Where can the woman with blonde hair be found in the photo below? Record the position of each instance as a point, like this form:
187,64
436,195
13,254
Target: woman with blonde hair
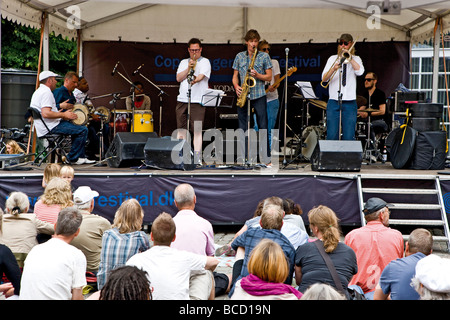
12,147
310,267
21,228
124,240
268,269
57,196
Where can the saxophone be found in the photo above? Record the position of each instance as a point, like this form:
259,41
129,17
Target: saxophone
190,77
249,82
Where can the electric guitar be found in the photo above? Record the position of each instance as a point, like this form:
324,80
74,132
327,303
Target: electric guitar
290,71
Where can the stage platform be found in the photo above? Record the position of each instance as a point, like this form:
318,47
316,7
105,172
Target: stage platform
229,195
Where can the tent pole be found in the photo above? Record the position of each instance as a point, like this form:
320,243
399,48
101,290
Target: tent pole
436,49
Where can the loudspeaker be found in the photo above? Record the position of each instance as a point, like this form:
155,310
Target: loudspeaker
337,155
426,110
429,152
168,153
127,148
425,124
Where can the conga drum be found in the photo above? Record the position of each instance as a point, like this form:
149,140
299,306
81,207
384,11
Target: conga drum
142,121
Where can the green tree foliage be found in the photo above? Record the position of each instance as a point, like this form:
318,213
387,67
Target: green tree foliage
20,49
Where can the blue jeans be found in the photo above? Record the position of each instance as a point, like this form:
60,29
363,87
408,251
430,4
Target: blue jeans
79,136
260,107
349,113
272,114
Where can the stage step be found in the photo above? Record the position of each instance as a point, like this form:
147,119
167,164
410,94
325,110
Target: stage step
415,198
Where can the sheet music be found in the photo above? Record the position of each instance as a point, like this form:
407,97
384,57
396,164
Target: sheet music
212,98
307,90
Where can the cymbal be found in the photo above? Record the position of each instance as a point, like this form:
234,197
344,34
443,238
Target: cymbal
319,103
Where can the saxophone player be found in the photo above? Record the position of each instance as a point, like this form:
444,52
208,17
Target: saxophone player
193,74
261,73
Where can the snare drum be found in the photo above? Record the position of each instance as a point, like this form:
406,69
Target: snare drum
142,121
83,114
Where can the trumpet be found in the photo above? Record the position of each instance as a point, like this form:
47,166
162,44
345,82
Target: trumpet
345,58
190,77
249,82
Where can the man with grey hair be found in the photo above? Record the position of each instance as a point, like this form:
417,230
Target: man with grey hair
195,234
55,270
271,223
89,240
375,245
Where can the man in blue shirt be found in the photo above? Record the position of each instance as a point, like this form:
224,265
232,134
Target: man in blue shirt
271,223
395,280
64,95
261,72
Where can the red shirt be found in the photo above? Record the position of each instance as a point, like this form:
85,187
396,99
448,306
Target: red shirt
375,246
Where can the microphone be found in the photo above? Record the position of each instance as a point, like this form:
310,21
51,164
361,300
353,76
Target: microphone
115,68
100,114
286,50
137,70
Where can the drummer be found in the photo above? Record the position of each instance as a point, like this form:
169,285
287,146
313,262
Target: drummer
141,101
80,93
64,95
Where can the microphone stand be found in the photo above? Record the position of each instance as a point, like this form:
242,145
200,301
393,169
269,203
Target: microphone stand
340,101
132,98
285,109
161,93
100,134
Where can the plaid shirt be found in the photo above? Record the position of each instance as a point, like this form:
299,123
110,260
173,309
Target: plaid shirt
250,238
117,248
262,63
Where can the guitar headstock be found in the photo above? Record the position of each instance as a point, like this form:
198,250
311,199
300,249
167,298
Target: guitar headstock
291,70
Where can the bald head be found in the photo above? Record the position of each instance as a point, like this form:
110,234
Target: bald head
184,196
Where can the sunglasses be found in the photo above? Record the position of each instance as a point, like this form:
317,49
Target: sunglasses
369,79
194,50
345,43
265,49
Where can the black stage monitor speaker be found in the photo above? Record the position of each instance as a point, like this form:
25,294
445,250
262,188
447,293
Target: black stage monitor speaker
127,149
337,155
168,153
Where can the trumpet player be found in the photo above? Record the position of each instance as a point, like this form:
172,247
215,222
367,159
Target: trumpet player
193,73
261,73
340,72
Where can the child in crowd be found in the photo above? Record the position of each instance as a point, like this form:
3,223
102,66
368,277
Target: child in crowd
67,173
51,171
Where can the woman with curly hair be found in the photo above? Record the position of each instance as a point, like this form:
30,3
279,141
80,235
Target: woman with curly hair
310,267
57,196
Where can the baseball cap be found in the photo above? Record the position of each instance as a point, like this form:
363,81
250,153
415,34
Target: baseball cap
433,272
375,204
46,74
84,194
346,37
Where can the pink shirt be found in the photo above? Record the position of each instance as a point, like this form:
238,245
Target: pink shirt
375,246
47,213
194,233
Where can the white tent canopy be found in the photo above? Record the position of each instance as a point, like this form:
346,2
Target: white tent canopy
281,21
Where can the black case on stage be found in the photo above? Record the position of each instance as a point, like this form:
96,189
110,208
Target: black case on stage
337,155
429,152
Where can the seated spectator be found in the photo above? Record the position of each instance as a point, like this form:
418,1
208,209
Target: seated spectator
195,234
124,240
169,269
67,173
395,280
21,228
51,171
293,212
57,196
11,270
375,245
432,279
268,269
322,291
92,228
12,147
310,267
55,270
271,222
125,283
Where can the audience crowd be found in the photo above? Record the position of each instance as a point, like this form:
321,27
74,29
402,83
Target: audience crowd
62,250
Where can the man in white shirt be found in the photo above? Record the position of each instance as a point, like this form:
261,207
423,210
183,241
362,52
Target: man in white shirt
55,270
169,269
344,83
58,122
193,73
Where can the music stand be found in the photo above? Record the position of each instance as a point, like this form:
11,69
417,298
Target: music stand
214,98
